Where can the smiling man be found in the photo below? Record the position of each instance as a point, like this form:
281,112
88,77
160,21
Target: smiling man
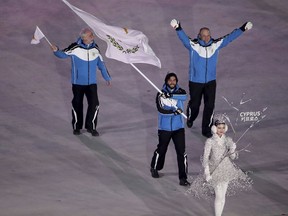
171,126
203,52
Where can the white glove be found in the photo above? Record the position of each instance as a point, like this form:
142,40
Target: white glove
174,23
233,154
248,26
208,178
207,175
232,148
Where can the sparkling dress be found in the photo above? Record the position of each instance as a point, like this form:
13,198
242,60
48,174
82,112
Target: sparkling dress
221,168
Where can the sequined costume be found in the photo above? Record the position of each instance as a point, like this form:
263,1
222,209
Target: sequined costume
218,153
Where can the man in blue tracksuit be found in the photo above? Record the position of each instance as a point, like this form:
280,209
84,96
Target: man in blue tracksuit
85,59
203,52
171,123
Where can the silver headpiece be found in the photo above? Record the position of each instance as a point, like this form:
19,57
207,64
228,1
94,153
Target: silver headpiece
219,119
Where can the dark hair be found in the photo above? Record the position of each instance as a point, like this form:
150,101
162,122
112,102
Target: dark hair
169,75
217,122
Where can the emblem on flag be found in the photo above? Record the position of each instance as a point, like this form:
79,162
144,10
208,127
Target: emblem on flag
119,47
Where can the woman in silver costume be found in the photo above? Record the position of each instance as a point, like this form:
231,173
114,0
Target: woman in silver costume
221,176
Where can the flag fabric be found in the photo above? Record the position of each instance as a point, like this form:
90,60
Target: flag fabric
38,35
123,44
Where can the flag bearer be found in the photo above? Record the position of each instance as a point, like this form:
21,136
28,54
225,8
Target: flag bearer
171,126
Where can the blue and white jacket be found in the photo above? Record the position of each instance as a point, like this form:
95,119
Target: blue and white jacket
84,59
168,119
203,57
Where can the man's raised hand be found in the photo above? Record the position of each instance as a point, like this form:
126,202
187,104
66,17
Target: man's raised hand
174,23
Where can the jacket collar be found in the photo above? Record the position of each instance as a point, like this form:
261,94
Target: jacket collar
166,88
202,43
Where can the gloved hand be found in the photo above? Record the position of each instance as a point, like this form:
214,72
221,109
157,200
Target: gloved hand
249,26
166,95
208,178
246,26
207,175
178,111
175,23
233,154
232,148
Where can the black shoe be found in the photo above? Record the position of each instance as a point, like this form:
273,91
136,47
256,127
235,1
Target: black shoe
208,135
184,182
76,132
189,124
93,132
154,173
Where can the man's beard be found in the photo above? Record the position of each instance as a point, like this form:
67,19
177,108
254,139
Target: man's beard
172,87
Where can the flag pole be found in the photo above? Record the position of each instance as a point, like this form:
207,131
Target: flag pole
155,87
146,78
48,41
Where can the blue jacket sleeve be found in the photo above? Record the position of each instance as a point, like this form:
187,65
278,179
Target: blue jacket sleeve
230,37
103,70
60,54
184,38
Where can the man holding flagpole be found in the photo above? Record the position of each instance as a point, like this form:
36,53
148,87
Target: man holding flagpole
170,126
85,58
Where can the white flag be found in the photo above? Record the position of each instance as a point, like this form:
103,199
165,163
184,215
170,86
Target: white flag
125,45
38,35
